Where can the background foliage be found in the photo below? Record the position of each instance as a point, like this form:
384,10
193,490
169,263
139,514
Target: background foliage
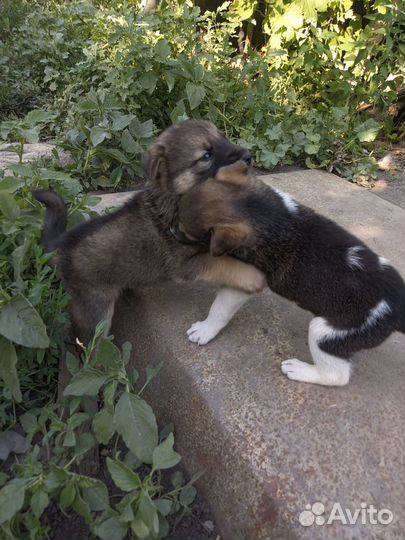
312,84
295,99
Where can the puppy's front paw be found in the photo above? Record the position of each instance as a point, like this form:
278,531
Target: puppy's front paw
297,370
202,332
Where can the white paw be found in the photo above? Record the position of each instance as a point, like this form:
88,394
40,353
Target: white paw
297,370
202,332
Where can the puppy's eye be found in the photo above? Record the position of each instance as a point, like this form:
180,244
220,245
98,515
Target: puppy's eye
207,156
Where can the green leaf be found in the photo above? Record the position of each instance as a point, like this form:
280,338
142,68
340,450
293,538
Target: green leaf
147,512
163,505
368,131
311,7
8,206
26,171
140,528
151,372
164,456
39,501
21,323
39,116
125,507
311,149
141,130
122,475
98,135
84,443
179,112
195,94
12,498
18,257
162,49
187,495
122,121
8,369
69,439
88,105
62,181
67,495
3,478
87,382
29,422
135,421
11,184
128,143
80,506
107,355
111,529
148,81
170,81
97,497
126,352
31,135
177,479
114,153
109,394
103,426
72,363
55,478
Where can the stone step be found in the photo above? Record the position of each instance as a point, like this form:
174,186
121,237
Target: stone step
32,152
271,447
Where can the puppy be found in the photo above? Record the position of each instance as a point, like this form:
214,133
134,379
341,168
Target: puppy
358,298
134,246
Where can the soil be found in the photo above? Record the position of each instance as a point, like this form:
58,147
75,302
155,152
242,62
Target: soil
199,525
390,185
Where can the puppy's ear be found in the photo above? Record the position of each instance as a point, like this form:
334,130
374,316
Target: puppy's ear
156,165
234,174
225,238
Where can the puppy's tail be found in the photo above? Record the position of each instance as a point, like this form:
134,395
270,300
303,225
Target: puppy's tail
55,217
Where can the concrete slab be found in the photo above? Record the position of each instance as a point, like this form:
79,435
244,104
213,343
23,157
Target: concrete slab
270,446
32,152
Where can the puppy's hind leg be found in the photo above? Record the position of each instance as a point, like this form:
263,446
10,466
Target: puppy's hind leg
226,304
327,369
89,308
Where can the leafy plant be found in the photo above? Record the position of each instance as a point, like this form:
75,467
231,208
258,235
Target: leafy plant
48,473
107,145
32,300
322,59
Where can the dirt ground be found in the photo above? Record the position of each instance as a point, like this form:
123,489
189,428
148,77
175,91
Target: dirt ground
390,185
199,525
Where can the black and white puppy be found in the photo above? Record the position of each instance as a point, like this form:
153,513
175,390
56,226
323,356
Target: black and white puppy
357,297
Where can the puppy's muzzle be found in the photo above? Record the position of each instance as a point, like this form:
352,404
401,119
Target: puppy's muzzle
247,158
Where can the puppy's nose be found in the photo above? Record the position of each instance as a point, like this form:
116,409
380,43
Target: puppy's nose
247,157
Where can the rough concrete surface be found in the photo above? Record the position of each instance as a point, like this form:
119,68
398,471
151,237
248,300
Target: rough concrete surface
31,153
271,446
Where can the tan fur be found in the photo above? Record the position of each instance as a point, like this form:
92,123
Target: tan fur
235,174
224,238
230,272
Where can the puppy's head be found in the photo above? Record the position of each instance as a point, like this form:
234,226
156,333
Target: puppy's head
214,208
189,153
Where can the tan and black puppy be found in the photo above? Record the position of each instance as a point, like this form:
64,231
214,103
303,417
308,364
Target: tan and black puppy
133,246
358,298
